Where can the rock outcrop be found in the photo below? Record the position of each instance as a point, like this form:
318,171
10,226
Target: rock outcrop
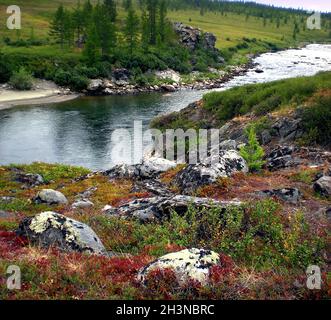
49,229
209,170
160,208
189,264
50,197
194,38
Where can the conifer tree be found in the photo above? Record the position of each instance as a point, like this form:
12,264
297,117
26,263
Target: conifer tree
58,26
131,29
253,153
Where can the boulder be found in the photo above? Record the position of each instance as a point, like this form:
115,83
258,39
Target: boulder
29,179
323,186
82,204
168,87
168,74
291,195
189,264
50,196
209,170
159,208
149,168
52,229
95,85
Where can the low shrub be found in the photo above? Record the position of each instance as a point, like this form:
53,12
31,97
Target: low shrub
21,80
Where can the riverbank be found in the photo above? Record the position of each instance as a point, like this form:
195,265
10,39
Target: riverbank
43,92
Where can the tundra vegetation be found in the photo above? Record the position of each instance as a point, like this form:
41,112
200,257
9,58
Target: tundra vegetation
265,243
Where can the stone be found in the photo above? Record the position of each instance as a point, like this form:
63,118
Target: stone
50,197
189,264
259,71
228,145
281,157
209,170
152,186
95,85
323,186
168,87
149,168
168,74
49,229
160,208
29,179
291,195
82,204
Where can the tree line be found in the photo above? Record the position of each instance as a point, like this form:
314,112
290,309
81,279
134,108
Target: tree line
95,29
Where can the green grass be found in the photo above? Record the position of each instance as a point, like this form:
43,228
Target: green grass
267,96
230,29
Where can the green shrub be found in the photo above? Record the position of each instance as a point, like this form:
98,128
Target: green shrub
5,70
21,80
253,153
62,78
317,122
78,82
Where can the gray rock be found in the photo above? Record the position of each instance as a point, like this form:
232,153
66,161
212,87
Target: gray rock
168,87
152,186
228,145
50,196
159,208
168,74
82,204
291,195
52,229
188,264
148,169
196,175
281,157
95,85
29,179
323,186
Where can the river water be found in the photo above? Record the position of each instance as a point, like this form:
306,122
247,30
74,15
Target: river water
80,132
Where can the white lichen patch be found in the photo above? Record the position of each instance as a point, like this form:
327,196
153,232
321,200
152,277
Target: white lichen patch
43,221
187,264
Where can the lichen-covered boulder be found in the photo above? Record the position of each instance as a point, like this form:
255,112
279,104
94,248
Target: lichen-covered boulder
188,264
209,170
159,208
50,196
52,229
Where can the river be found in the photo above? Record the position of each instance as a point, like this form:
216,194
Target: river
79,132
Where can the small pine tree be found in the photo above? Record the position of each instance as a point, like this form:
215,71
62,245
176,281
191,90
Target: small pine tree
253,153
58,25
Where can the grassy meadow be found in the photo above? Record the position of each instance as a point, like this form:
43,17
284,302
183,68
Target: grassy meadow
229,28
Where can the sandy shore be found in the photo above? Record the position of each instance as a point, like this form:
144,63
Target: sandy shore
42,93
